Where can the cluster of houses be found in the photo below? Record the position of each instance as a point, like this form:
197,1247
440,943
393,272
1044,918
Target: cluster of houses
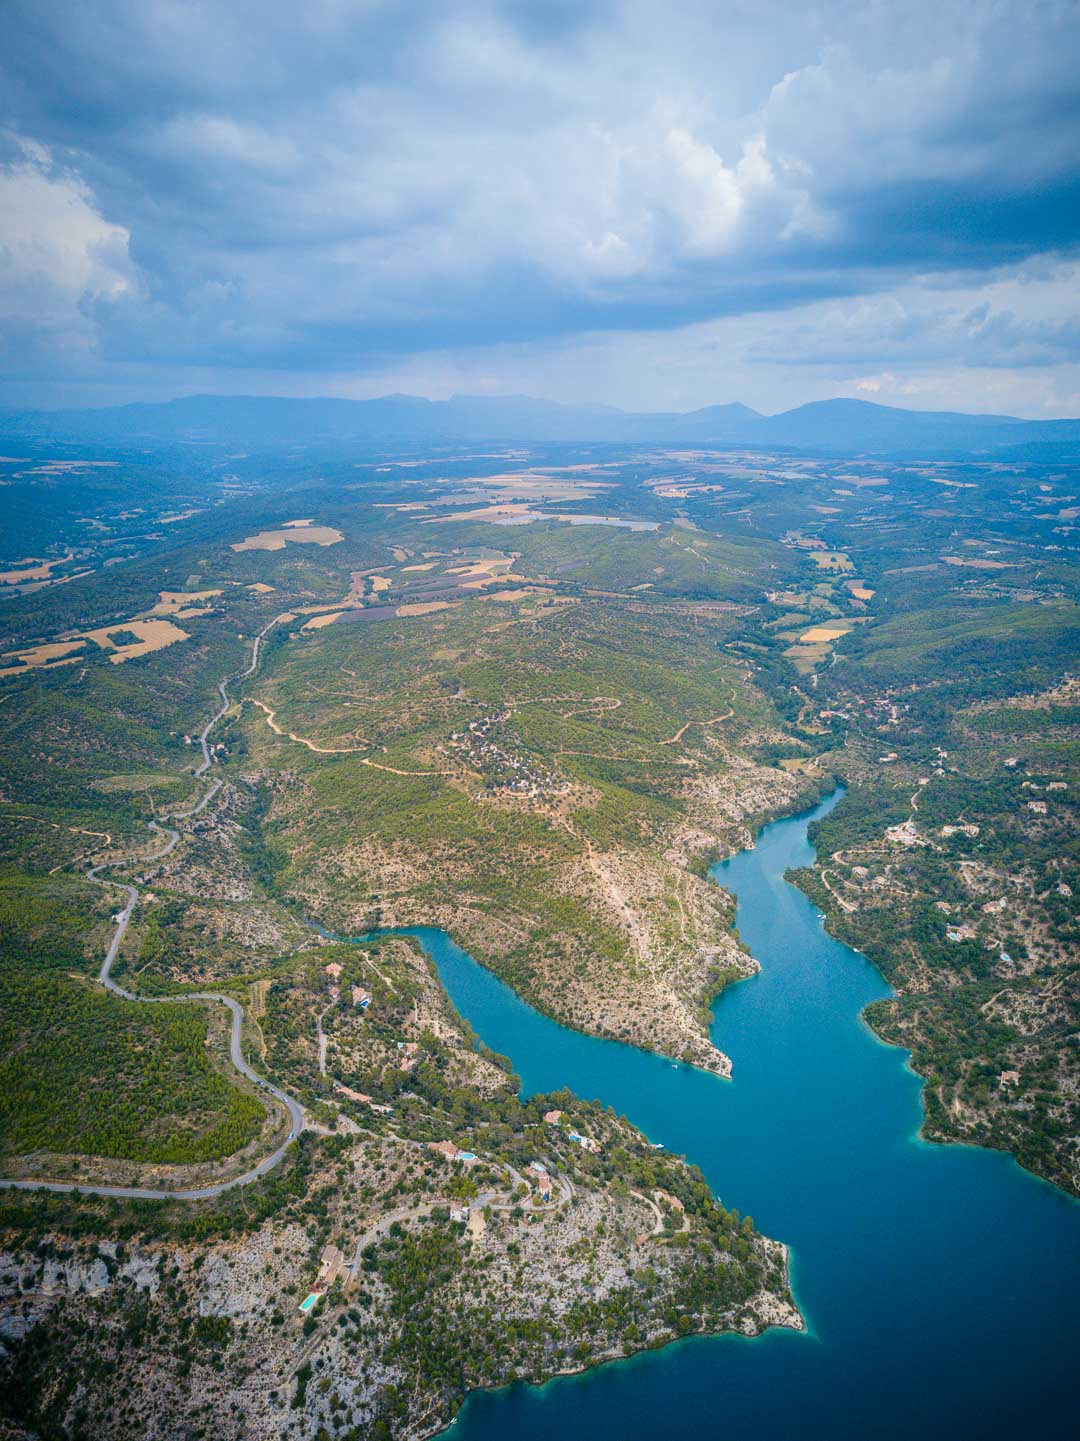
517,774
905,834
1040,807
360,997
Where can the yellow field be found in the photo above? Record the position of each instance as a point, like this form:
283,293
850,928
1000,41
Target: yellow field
31,570
153,635
317,622
831,560
423,607
36,656
818,634
300,532
506,595
172,602
492,566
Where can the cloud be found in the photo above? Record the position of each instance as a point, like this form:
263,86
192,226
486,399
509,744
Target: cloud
58,256
1024,315
336,186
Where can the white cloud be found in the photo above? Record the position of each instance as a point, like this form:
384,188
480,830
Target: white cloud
337,184
58,256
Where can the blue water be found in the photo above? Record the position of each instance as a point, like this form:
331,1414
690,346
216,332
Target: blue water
940,1284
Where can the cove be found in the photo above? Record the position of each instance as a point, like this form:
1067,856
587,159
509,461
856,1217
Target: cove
939,1283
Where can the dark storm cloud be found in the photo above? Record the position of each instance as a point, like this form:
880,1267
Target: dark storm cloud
333,183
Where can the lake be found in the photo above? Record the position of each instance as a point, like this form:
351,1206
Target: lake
939,1283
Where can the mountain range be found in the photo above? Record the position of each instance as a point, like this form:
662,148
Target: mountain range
840,425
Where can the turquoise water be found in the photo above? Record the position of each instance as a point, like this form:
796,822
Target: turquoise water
939,1284
309,1301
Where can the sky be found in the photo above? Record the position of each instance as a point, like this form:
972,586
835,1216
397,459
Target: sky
657,206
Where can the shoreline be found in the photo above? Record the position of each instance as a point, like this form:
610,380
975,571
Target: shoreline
597,1363
918,1137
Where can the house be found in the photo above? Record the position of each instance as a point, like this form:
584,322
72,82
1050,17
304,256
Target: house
333,970
669,1200
361,998
445,1148
552,1118
330,1265
542,1179
460,1213
1039,807
586,1143
335,992
363,1099
1009,1078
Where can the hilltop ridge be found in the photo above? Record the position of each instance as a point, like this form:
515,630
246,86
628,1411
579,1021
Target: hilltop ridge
822,425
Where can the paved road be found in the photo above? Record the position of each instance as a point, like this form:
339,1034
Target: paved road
223,692
296,1113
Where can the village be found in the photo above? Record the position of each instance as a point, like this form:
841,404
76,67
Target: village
487,746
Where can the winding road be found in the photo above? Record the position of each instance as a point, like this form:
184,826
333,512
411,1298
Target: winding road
297,1115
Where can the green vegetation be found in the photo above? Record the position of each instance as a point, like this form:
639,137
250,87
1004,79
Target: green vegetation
83,1072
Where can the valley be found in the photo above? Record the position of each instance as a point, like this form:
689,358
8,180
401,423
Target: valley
528,700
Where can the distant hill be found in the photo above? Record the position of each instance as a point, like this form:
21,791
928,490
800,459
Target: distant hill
861,425
826,425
